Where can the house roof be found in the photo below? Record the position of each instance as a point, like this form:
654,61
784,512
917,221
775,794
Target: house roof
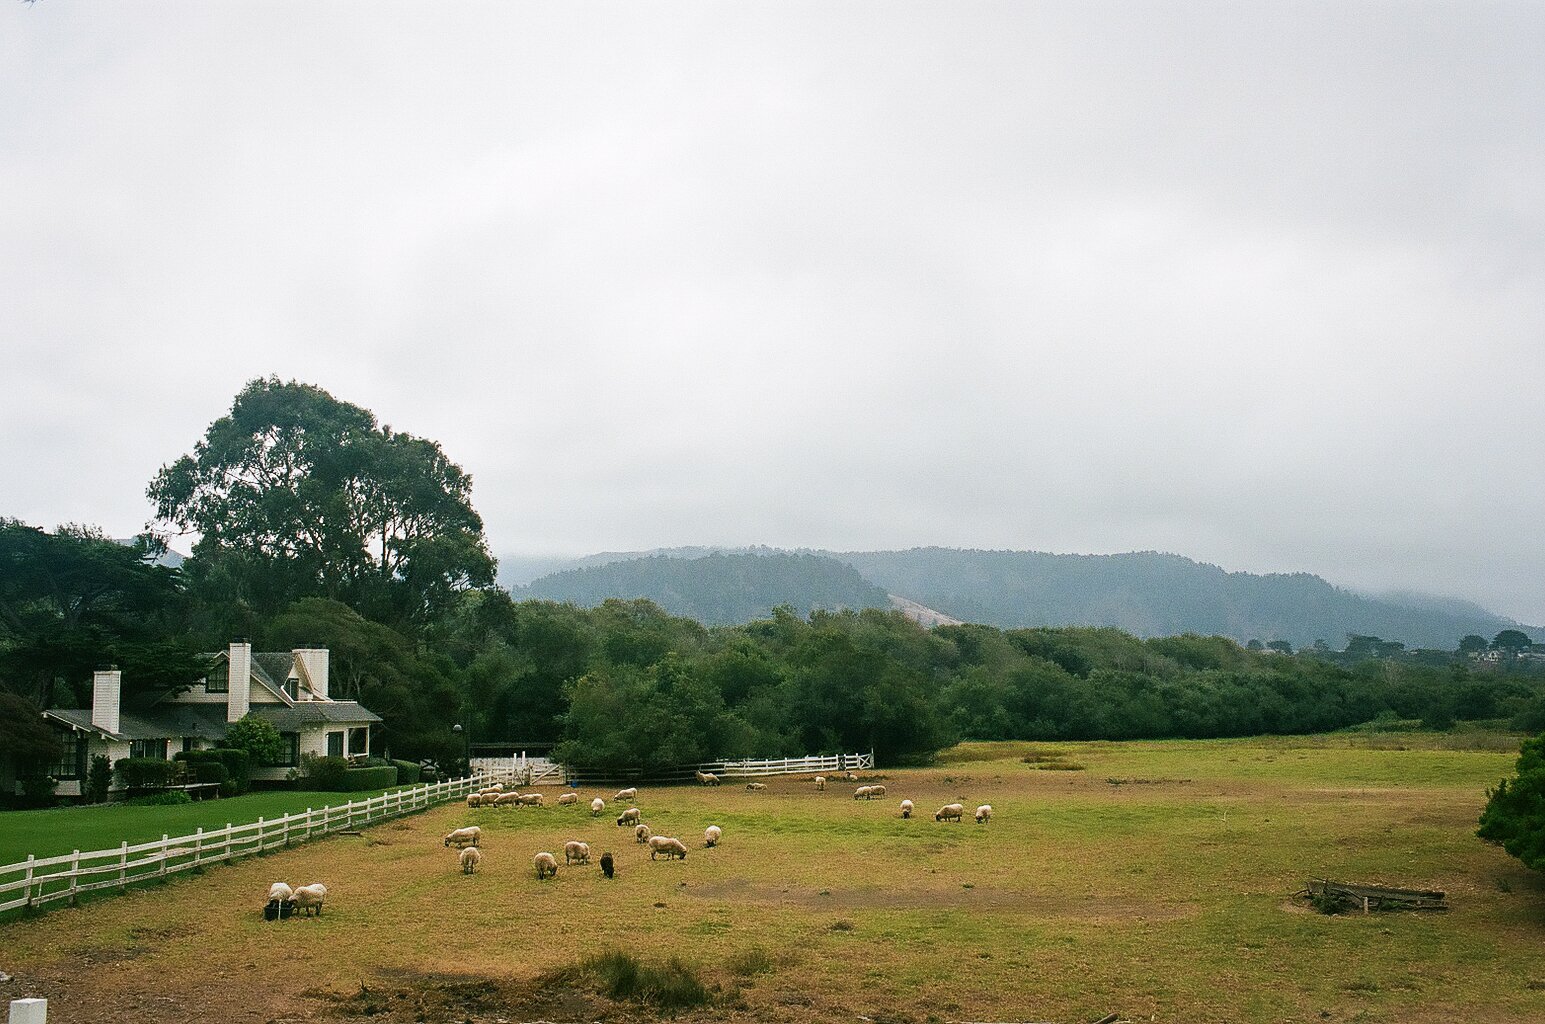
207,721
269,669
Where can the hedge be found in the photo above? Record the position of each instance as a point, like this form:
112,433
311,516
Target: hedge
407,772
358,779
145,772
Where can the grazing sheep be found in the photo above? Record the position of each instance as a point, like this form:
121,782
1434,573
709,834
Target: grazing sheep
471,857
507,800
576,852
529,800
668,846
950,812
820,782
546,865
641,833
756,787
597,806
474,799
628,817
281,892
494,787
472,835
711,835
861,793
983,814
707,778
852,777
875,791
281,902
607,865
626,794
906,808
309,897
568,798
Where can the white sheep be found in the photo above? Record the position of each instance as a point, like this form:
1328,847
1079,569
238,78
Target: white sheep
875,791
546,865
711,835
281,891
983,814
820,782
471,857
668,846
494,787
597,806
906,808
641,833
576,852
568,798
861,793
507,800
627,794
474,799
529,800
628,817
472,835
706,778
309,897
950,812
756,787
852,777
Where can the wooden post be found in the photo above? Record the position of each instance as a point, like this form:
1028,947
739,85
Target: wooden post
161,864
74,876
27,892
308,823
230,850
29,1011
123,865
198,846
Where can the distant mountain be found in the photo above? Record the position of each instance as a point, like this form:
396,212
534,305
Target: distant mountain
1146,593
1153,594
716,589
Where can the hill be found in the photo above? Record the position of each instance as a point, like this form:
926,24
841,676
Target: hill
716,589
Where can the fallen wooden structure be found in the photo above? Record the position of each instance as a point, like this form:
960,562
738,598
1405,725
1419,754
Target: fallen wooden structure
1343,897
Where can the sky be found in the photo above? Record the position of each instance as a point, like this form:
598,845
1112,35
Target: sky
1259,284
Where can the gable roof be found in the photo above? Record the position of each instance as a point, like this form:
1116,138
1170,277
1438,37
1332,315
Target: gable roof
207,721
266,667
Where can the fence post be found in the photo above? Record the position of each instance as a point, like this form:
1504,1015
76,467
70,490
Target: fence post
161,864
262,844
29,1011
230,840
308,823
74,876
123,865
27,892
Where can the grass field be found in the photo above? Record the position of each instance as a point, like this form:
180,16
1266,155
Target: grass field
103,827
1153,880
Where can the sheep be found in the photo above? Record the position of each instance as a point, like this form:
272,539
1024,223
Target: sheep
711,835
983,814
706,778
861,793
906,808
507,800
494,787
668,846
281,892
641,833
950,812
281,902
529,800
546,865
852,777
472,835
576,852
597,806
875,791
471,857
628,817
568,798
820,782
474,799
755,787
607,865
627,794
309,897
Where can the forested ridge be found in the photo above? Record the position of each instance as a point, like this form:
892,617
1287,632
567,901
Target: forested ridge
320,527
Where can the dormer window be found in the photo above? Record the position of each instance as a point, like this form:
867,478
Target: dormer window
292,687
219,679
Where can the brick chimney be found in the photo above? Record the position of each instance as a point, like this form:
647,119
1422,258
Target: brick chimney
313,662
238,697
106,691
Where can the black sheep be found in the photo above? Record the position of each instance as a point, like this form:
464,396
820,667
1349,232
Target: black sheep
606,864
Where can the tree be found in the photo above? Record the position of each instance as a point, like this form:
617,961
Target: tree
1471,644
1515,811
303,495
258,738
1511,640
31,744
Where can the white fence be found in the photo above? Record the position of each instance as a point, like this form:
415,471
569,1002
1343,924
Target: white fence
519,769
814,765
43,880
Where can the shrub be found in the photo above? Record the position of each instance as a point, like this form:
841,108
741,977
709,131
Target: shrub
144,772
37,790
407,773
211,771
1515,810
671,985
170,798
238,764
99,779
258,737
356,780
325,773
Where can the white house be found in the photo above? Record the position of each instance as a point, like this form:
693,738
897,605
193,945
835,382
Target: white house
288,689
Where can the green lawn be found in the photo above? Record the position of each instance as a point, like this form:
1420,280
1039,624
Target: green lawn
60,830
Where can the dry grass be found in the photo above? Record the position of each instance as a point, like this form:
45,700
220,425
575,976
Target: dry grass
1171,899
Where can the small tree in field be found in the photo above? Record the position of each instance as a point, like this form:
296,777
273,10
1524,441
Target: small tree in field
1515,810
257,737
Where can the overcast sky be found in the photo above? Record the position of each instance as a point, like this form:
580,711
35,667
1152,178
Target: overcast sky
1263,285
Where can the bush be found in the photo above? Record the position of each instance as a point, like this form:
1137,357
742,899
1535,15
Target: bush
145,772
1515,810
325,773
257,737
99,779
37,790
407,773
238,765
170,798
211,771
356,780
671,985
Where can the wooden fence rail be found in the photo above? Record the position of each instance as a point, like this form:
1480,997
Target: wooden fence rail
813,765
38,881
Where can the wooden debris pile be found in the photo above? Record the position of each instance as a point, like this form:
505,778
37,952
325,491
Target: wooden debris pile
1344,898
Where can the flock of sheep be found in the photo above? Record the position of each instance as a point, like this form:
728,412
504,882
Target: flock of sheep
283,901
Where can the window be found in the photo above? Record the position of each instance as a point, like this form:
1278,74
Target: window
148,748
291,755
359,742
219,679
335,744
72,762
189,743
292,687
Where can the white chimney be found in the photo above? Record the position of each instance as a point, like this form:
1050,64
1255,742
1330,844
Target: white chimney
313,661
106,688
238,697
